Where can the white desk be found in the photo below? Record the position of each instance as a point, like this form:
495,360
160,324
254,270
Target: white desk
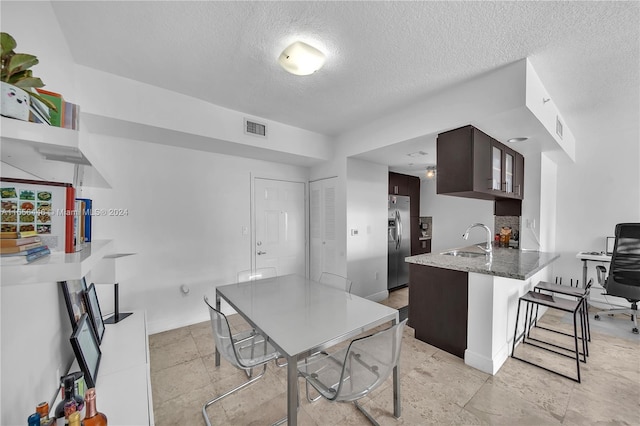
587,256
301,317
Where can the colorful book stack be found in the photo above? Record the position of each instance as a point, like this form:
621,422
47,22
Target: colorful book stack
66,116
19,248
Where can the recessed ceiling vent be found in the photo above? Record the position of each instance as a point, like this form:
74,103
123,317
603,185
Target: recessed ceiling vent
254,128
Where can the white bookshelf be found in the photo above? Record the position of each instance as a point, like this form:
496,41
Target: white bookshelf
57,266
48,153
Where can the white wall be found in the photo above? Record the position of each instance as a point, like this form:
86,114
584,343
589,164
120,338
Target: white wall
451,217
594,194
367,185
186,211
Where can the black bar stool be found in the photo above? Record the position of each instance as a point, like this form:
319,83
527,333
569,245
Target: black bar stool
565,305
579,293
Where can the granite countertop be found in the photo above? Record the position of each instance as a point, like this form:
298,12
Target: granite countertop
509,263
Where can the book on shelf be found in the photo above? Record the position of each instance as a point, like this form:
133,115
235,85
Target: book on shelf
26,252
11,234
18,249
57,117
14,242
86,214
78,224
27,258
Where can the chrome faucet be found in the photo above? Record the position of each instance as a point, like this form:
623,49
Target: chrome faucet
489,247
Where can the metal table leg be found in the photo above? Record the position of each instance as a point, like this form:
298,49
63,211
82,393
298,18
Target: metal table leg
292,391
218,308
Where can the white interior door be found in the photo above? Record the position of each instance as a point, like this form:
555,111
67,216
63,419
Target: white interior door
322,227
279,214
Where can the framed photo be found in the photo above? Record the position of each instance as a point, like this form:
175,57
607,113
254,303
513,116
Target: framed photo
93,309
73,291
86,349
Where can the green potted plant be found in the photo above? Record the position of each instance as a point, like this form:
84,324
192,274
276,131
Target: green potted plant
17,80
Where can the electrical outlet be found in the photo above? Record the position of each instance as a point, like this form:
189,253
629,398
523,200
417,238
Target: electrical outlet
375,276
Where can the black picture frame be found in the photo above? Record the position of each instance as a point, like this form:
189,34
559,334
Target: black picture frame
86,349
73,291
93,309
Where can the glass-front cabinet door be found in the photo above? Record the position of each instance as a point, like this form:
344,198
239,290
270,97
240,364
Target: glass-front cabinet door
508,171
496,163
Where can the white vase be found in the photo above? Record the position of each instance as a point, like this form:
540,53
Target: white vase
15,102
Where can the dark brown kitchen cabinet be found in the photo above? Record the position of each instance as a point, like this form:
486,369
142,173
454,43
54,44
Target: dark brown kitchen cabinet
414,194
474,165
398,184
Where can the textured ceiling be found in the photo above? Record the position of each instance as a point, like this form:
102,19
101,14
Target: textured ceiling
381,56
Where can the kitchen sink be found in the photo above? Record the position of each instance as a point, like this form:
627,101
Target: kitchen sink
459,253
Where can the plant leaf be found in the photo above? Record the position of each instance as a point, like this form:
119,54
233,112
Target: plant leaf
20,62
28,82
7,42
45,101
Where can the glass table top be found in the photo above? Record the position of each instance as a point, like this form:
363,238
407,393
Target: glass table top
300,315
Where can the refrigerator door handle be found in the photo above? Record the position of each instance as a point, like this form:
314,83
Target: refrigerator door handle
399,230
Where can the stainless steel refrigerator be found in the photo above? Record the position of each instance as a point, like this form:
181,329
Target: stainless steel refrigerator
399,237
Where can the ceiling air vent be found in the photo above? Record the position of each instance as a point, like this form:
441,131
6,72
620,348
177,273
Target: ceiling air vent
255,128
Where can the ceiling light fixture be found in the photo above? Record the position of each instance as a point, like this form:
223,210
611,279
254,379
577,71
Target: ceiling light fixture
301,59
517,140
431,172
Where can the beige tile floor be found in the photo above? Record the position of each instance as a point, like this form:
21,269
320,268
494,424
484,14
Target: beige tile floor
436,387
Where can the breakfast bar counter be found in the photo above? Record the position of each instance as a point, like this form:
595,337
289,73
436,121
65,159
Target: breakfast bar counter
464,301
504,262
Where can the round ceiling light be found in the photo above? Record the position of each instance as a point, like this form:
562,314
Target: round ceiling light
517,140
301,59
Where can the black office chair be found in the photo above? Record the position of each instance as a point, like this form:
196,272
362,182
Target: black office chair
624,271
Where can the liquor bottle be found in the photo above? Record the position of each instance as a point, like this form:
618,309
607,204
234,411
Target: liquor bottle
93,416
69,395
74,419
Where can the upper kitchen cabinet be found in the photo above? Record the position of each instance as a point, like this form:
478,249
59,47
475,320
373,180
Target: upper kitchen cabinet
398,184
472,164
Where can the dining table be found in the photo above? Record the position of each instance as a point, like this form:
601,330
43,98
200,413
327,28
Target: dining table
301,317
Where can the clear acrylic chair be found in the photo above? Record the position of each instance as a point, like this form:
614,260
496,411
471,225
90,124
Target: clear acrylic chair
336,281
258,274
353,372
244,351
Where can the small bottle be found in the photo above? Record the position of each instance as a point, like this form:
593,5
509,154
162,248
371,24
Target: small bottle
33,420
69,395
74,419
43,410
93,416
70,407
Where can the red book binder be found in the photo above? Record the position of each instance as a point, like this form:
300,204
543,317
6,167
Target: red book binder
70,207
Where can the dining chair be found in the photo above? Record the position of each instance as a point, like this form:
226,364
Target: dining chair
258,274
336,281
245,351
354,372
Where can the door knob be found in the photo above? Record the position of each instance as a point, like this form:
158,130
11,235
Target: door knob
261,252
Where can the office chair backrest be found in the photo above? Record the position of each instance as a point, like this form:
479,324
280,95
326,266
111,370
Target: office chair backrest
369,362
336,281
624,273
258,274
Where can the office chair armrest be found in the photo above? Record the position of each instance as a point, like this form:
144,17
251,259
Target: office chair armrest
601,271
